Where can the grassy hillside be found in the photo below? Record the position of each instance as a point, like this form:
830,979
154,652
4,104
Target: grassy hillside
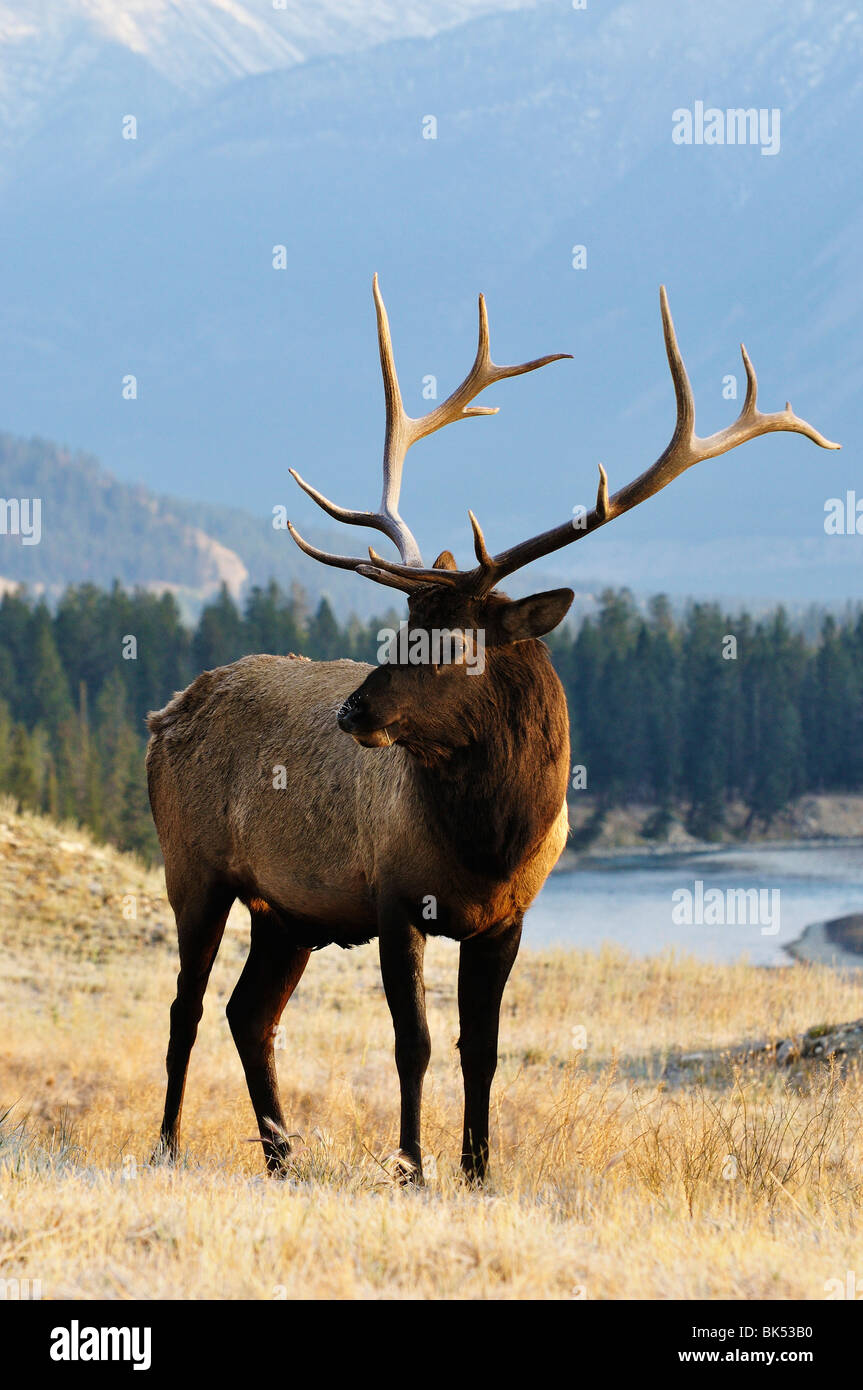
608,1182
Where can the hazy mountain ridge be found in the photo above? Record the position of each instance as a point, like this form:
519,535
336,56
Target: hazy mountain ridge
97,529
553,128
197,45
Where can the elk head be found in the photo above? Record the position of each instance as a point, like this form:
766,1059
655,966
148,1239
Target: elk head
425,694
463,607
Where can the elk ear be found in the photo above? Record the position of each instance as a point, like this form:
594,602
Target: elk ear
445,561
534,616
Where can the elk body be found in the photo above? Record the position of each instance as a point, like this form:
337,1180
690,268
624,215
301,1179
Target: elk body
420,798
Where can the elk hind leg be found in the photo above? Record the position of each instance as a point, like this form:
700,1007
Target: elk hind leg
273,970
201,911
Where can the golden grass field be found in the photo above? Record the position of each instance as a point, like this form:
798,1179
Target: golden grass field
607,1183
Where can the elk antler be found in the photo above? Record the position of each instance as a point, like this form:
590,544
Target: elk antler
684,449
402,430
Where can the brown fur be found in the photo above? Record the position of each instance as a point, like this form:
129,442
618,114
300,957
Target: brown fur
350,818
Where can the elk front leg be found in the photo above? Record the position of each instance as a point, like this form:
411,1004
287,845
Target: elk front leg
484,967
402,949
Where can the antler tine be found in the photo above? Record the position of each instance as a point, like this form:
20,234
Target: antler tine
412,574
483,373
602,502
479,545
381,521
685,426
403,430
684,449
344,562
380,573
397,438
454,578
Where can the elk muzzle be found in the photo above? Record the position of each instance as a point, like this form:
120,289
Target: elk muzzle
357,719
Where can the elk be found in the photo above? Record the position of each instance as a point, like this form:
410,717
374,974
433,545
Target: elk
407,784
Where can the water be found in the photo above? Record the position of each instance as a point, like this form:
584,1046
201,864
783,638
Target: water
628,900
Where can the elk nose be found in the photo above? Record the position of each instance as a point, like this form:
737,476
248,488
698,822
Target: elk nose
346,717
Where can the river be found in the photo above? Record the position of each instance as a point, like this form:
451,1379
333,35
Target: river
628,899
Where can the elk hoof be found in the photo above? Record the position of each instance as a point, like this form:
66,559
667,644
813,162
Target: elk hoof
473,1174
280,1160
164,1152
404,1170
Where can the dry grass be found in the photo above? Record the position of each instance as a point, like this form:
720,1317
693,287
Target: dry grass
606,1184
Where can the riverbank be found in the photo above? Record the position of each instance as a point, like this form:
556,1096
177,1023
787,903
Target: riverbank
838,943
626,830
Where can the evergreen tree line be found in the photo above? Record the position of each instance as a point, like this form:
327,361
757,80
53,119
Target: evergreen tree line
75,691
686,713
695,714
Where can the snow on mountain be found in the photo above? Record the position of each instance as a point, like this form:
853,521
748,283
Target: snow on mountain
199,44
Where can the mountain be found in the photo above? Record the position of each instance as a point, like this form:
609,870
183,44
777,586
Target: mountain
194,46
94,529
154,257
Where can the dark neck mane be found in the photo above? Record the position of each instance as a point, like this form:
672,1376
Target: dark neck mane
497,793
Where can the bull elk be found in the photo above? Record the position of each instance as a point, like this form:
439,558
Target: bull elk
407,783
